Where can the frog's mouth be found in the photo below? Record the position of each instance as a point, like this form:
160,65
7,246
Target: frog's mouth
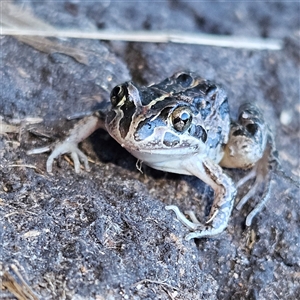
161,153
165,159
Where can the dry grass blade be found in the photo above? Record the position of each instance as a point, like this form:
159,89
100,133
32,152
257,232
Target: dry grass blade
23,23
159,37
17,19
44,45
6,128
22,291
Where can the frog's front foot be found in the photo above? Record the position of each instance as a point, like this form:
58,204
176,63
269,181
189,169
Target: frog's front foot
62,148
213,226
220,212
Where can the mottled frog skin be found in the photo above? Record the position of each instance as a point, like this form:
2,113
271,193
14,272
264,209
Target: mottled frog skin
182,118
182,125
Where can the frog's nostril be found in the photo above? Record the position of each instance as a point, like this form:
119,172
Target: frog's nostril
252,128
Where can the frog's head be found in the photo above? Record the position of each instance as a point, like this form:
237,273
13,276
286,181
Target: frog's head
168,118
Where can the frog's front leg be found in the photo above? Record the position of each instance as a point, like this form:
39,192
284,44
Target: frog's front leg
80,132
225,192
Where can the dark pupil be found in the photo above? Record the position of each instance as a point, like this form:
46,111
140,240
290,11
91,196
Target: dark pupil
182,122
179,122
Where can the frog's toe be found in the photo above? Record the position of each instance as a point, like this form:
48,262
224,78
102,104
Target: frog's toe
83,158
246,197
39,150
75,153
194,235
192,216
76,161
182,218
261,204
262,183
206,231
77,157
198,230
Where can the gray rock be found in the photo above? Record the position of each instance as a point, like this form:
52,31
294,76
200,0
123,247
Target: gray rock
105,234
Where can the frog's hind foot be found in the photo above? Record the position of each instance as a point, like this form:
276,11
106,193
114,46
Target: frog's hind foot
198,230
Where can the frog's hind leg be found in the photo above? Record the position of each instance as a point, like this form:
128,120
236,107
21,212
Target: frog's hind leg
251,144
263,179
263,172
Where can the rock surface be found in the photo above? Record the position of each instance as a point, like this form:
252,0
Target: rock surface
105,234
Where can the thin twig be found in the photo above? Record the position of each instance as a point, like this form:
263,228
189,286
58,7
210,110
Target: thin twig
21,165
156,282
155,37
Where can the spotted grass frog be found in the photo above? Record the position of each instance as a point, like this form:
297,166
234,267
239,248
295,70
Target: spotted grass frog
182,125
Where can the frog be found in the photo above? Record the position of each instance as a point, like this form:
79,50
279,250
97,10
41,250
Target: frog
183,125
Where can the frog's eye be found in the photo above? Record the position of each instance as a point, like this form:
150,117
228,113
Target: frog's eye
117,94
181,118
184,79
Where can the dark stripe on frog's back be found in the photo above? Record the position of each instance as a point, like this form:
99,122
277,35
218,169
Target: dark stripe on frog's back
201,88
172,93
161,96
161,104
169,86
147,95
